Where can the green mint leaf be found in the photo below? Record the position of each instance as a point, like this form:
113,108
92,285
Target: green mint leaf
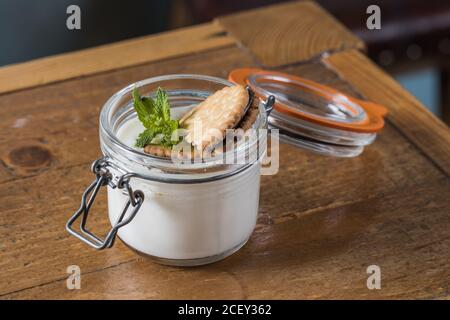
144,138
155,116
144,108
162,103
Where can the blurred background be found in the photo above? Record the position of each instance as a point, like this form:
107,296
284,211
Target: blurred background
413,44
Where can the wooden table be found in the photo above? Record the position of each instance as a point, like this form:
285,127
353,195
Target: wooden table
322,220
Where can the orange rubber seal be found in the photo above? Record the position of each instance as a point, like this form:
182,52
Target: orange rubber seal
372,122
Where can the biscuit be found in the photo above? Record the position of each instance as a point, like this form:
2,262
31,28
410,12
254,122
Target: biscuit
158,150
216,148
220,111
168,152
239,131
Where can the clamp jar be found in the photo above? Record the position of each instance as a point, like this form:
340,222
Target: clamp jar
185,215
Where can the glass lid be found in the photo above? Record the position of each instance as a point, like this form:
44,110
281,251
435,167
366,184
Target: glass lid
313,116
305,98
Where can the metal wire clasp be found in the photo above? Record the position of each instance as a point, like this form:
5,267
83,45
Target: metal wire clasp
268,104
103,178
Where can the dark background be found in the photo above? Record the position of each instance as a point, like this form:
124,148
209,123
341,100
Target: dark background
413,43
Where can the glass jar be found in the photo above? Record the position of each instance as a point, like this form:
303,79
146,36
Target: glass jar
185,215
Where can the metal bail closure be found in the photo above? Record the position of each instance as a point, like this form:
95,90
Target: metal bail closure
268,104
103,178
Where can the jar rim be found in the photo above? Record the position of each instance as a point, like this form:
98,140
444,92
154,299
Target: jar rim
113,147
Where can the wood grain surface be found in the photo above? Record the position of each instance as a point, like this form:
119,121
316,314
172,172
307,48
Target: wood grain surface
113,56
430,134
289,32
322,220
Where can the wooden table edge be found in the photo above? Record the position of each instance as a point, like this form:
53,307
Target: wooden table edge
292,18
428,133
113,56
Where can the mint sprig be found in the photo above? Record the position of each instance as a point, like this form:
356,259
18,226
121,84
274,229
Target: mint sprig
154,114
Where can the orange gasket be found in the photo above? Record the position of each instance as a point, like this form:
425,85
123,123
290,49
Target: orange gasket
373,122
